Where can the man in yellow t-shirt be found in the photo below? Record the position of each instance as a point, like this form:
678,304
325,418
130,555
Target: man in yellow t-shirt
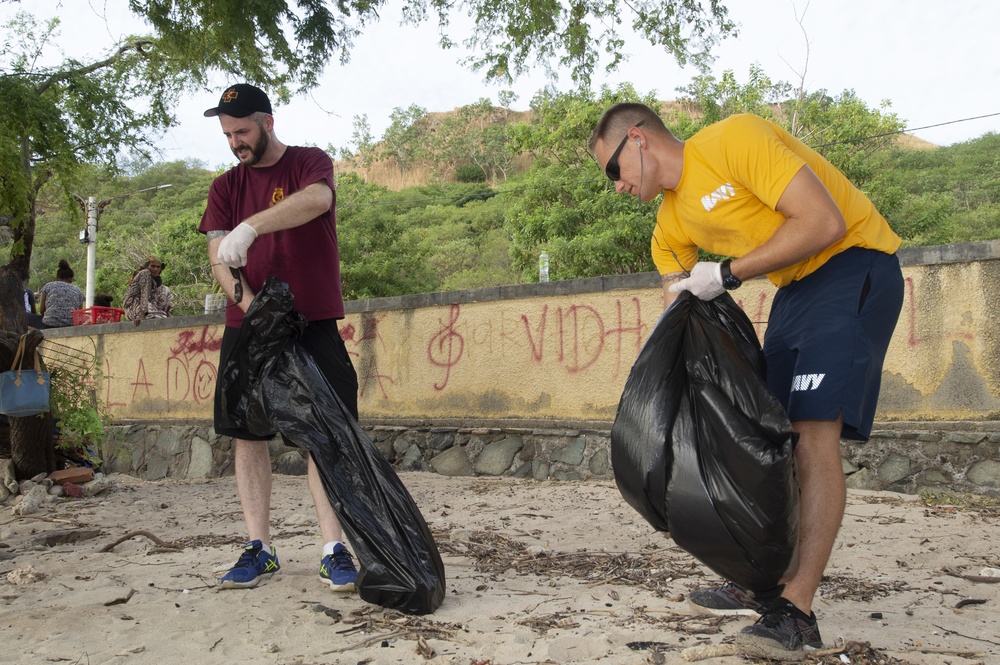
746,189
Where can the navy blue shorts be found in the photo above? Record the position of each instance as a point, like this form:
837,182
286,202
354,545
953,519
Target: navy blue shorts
323,342
827,336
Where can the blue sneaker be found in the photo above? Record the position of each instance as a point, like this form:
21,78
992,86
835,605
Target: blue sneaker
338,569
254,565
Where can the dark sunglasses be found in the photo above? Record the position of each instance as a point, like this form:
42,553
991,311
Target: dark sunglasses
612,169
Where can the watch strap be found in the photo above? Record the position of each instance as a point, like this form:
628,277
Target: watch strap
729,280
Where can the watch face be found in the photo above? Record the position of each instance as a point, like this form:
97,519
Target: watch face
729,280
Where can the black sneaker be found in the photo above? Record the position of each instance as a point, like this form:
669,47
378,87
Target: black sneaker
783,632
726,600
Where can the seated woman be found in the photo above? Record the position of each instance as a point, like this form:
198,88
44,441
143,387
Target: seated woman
58,299
146,297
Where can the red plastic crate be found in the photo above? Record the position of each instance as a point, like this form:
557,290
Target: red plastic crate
92,315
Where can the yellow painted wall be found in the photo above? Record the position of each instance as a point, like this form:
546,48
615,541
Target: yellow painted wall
553,353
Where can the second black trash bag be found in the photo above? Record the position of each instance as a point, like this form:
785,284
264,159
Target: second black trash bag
272,384
703,450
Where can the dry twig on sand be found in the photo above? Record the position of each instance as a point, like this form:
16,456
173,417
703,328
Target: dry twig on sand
161,545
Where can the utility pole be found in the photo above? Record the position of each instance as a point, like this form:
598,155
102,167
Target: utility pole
91,233
93,209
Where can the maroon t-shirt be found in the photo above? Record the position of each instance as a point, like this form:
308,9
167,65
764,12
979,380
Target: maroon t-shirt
306,256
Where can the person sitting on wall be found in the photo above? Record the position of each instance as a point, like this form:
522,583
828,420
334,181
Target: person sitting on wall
146,297
58,299
103,300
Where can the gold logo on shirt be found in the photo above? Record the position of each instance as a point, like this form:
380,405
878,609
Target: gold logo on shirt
278,196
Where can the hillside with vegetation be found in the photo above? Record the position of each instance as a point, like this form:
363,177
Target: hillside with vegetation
471,197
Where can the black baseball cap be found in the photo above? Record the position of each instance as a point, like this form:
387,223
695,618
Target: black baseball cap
240,101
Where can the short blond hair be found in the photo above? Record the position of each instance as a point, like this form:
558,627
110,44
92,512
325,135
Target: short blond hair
620,118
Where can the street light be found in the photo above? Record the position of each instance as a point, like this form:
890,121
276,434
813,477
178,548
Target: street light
92,209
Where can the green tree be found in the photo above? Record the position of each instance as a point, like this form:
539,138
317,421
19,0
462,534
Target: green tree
59,117
402,138
715,99
945,195
361,150
846,130
475,135
565,205
379,257
280,41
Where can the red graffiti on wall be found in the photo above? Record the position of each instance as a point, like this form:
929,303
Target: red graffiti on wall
639,330
140,381
347,334
190,343
367,358
758,317
537,350
191,375
581,335
446,346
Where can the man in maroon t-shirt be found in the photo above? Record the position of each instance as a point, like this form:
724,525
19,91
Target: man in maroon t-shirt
273,215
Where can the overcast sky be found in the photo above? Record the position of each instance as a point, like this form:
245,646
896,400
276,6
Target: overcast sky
937,62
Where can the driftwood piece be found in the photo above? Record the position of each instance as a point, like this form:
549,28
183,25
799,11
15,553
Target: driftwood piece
162,545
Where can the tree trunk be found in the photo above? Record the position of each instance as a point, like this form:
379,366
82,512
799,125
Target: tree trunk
31,438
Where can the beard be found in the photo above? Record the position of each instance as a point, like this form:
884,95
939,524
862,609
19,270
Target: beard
257,150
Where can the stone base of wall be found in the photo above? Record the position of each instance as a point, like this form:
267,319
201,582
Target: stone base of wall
909,457
914,457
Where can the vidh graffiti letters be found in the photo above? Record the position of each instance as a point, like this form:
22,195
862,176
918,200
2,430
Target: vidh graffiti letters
581,335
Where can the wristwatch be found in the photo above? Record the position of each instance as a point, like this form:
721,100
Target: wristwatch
729,280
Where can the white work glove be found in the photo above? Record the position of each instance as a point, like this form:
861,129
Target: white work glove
705,281
233,248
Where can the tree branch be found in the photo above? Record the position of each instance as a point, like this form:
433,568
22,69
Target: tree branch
140,46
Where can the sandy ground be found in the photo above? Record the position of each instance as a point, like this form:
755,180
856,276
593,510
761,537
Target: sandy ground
537,572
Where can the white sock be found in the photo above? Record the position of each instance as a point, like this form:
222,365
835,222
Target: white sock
328,548
266,548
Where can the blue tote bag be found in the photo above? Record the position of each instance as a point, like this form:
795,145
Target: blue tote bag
24,392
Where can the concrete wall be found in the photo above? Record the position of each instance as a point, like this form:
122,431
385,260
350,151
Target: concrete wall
556,355
559,351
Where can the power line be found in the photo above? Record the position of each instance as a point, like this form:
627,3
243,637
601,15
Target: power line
904,131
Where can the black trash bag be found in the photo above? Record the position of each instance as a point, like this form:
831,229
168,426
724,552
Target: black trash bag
271,383
703,450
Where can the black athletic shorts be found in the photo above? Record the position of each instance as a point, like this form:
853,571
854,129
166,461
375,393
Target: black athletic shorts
827,337
323,342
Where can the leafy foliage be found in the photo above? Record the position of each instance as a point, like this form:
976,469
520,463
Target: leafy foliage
283,41
59,117
720,98
540,192
946,195
80,417
566,206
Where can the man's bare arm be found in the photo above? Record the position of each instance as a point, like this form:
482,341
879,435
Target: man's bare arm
295,210
812,223
669,279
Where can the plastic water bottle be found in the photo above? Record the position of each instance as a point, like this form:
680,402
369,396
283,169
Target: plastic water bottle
543,267
215,302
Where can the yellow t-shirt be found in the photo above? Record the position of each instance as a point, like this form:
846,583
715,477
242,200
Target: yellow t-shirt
735,171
